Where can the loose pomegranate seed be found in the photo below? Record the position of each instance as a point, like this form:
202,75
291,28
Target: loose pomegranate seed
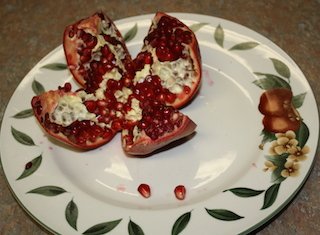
180,192
28,165
144,190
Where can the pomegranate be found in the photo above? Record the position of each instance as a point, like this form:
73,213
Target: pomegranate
65,115
170,54
95,52
111,98
156,125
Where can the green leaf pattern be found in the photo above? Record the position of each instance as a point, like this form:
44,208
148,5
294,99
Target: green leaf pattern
102,228
302,134
244,46
134,229
244,192
219,36
55,66
21,137
37,87
131,33
222,214
270,195
181,223
281,68
298,100
48,191
270,81
71,214
31,167
197,26
23,114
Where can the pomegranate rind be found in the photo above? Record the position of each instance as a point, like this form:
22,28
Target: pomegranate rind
144,145
49,101
183,98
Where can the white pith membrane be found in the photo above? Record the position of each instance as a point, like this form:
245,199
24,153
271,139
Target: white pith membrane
70,109
174,75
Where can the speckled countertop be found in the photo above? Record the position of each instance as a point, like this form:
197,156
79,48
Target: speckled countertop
31,29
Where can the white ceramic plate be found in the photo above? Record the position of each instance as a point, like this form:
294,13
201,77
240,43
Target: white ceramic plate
221,166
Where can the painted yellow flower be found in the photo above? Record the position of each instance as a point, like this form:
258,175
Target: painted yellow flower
285,143
269,166
299,154
291,169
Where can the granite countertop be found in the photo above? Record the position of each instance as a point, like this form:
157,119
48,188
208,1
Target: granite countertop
31,29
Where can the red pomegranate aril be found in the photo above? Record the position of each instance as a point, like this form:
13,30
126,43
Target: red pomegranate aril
66,87
144,190
116,125
105,51
28,165
85,59
112,84
91,105
111,40
170,97
119,106
86,52
180,192
91,43
164,54
86,36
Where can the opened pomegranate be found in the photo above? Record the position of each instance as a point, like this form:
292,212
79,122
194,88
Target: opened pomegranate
65,115
95,52
112,98
170,54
